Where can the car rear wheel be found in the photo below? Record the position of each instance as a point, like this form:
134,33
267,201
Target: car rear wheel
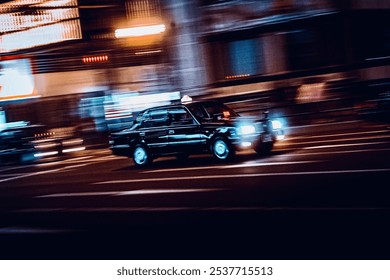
141,156
221,149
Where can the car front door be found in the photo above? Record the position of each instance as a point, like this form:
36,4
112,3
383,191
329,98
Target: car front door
183,132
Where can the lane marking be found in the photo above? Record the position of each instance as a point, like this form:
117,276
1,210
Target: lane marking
254,175
339,140
198,209
344,145
10,175
59,161
254,164
299,153
227,166
340,134
30,230
124,193
32,174
46,164
15,167
56,170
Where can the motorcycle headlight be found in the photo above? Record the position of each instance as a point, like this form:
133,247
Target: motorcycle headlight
247,129
276,124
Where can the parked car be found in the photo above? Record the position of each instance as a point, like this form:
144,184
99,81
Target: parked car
193,128
27,143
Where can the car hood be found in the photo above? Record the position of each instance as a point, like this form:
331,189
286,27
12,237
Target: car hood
235,121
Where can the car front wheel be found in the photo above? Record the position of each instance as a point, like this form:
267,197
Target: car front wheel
221,149
141,156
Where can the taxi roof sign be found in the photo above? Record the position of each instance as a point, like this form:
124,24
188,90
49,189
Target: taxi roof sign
186,99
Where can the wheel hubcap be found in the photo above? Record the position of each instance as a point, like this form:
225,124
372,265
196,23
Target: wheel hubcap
220,149
140,156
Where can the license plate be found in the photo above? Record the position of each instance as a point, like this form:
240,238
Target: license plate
267,138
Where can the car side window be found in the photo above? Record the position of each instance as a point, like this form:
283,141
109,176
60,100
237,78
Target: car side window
156,118
199,112
180,116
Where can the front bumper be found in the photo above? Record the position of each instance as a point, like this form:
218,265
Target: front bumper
243,142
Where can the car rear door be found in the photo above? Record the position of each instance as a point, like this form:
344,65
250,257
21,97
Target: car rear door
154,131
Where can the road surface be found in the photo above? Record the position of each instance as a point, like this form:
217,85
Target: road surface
316,196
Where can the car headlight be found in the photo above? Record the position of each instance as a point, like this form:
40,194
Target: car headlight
276,124
247,129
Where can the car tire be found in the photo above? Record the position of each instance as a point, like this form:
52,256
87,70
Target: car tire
264,148
221,149
141,156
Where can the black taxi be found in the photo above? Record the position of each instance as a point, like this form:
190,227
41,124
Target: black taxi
193,128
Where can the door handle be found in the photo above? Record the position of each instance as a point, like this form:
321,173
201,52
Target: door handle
171,131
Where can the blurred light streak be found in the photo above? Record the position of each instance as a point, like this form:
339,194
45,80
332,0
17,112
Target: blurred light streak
344,145
37,155
242,165
78,149
243,176
44,146
72,142
132,192
148,52
140,31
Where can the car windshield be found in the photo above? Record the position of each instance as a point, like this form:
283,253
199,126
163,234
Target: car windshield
212,111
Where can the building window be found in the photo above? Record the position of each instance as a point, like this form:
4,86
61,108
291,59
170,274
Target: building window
371,37
243,57
305,49
319,46
143,9
238,59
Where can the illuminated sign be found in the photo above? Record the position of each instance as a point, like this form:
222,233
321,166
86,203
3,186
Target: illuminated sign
31,23
16,79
